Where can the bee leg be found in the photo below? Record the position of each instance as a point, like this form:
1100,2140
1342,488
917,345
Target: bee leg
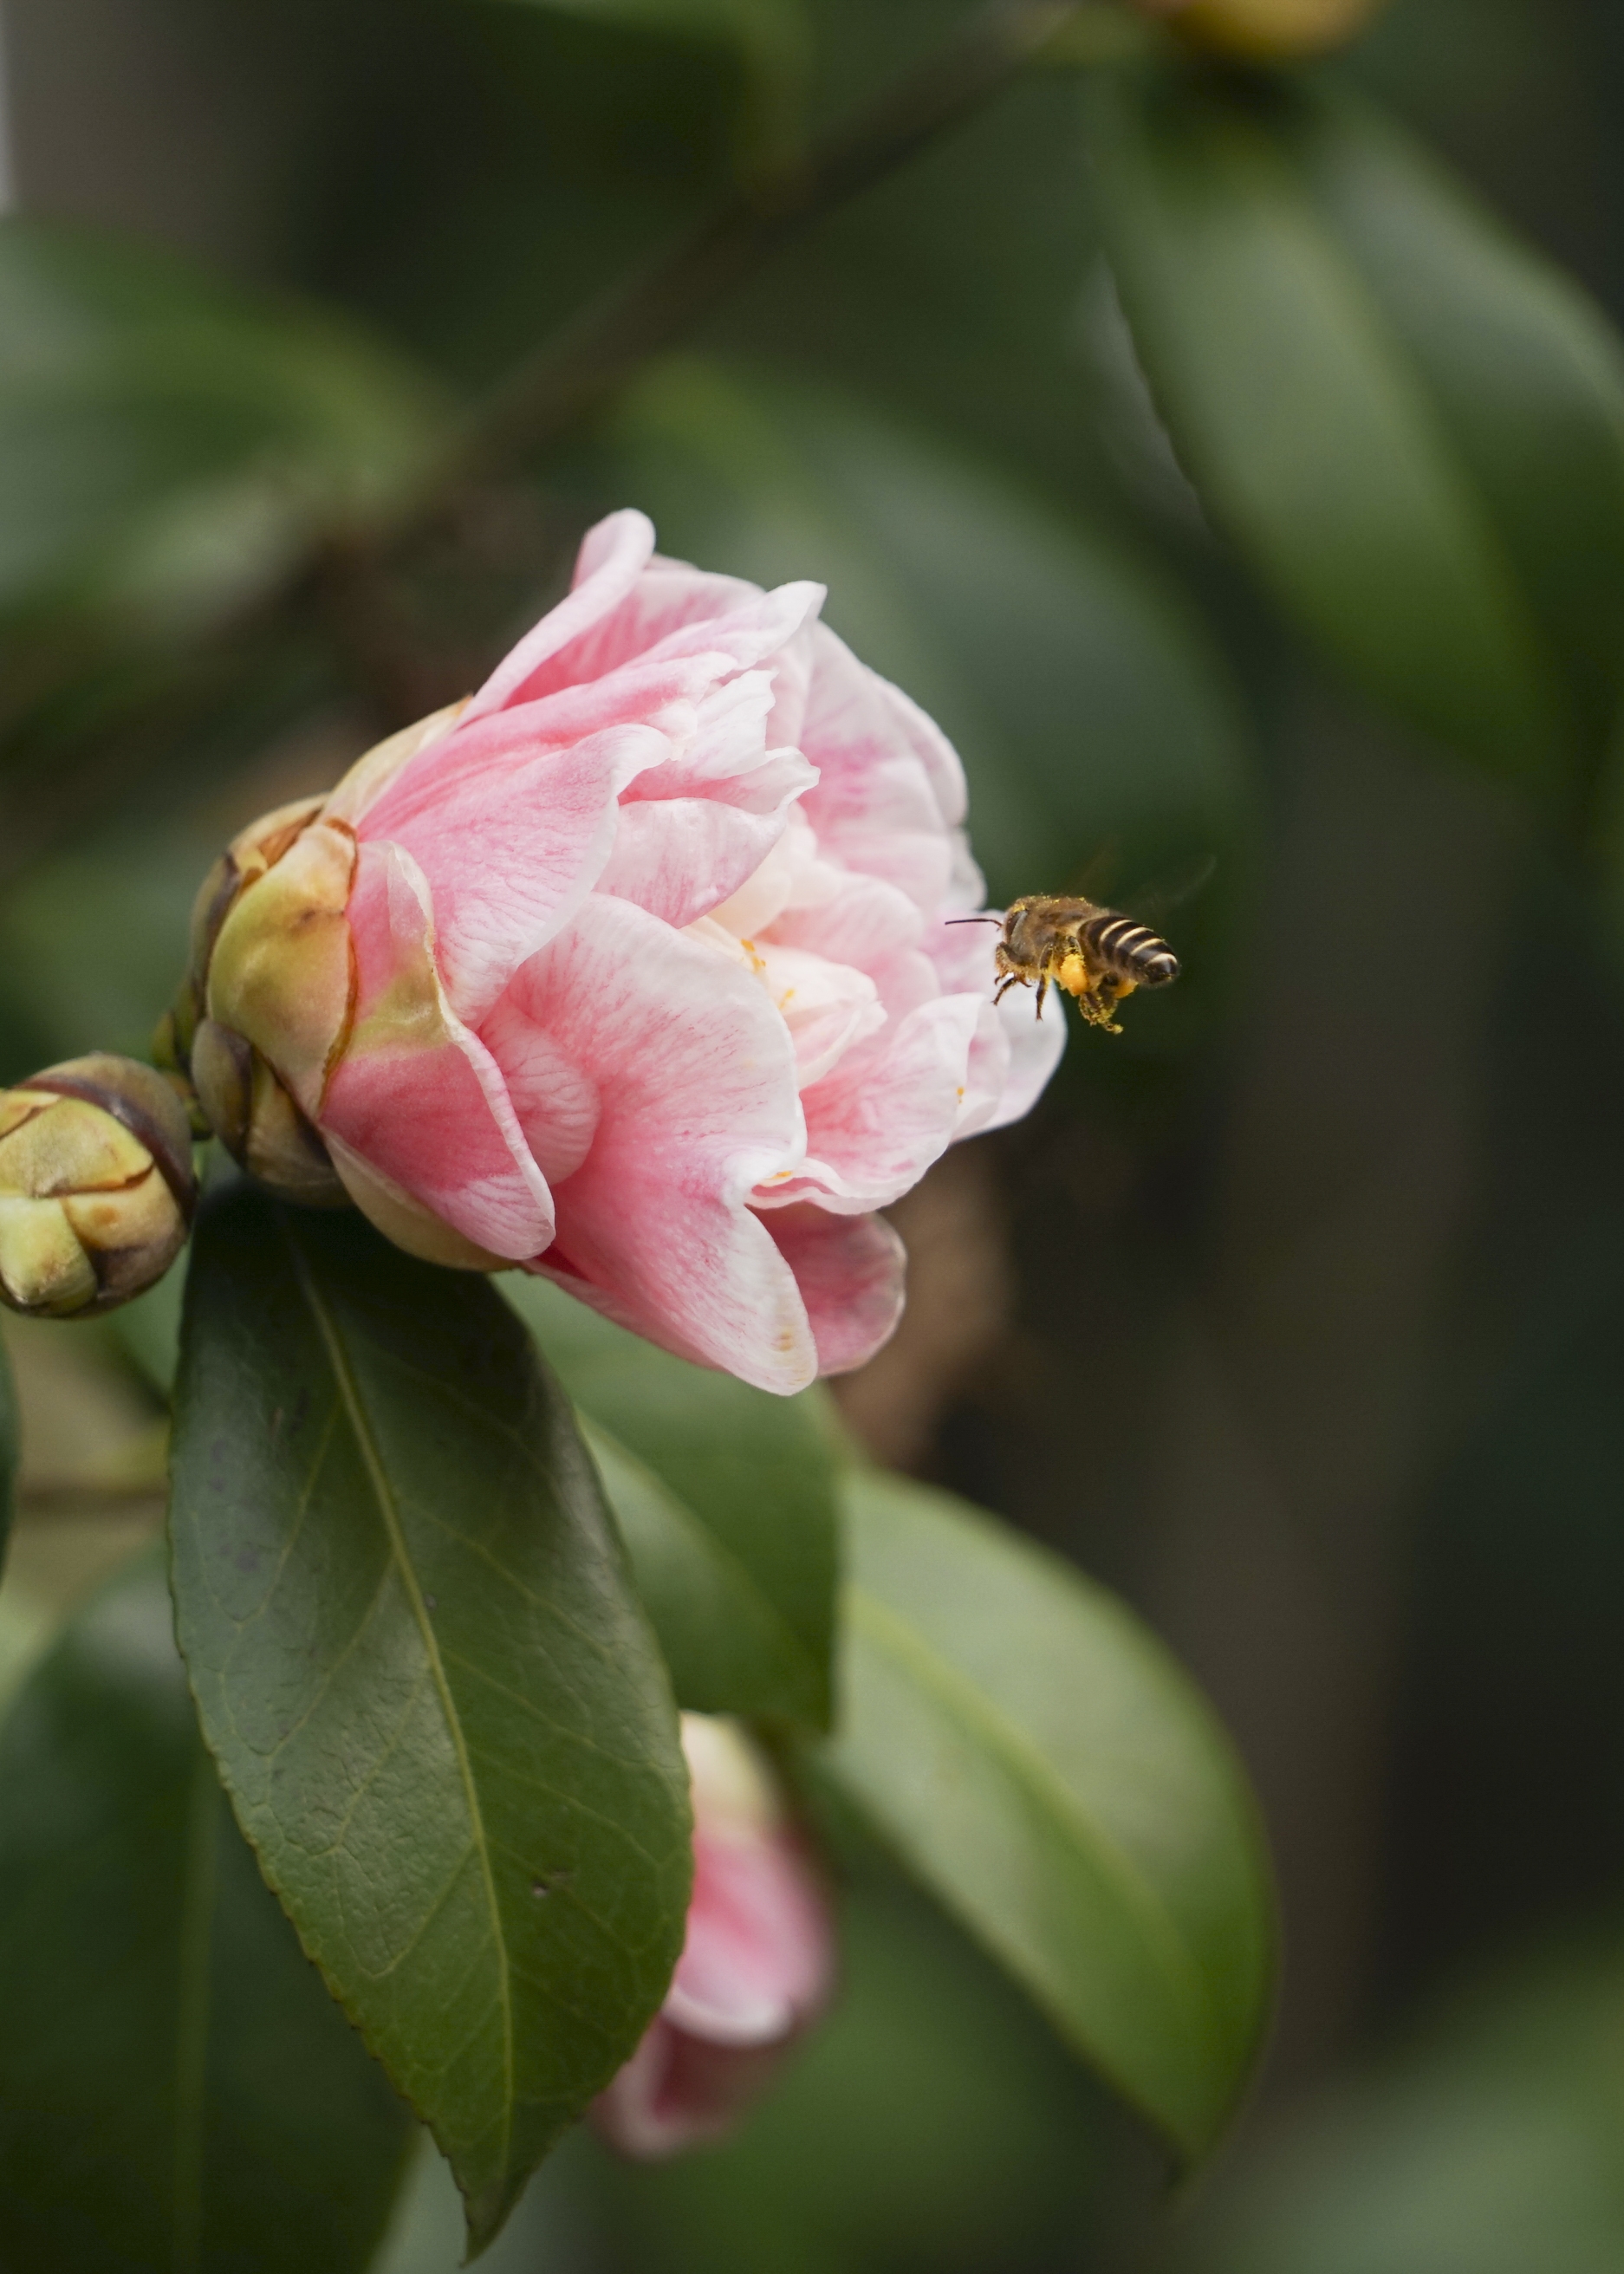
1011,979
1042,990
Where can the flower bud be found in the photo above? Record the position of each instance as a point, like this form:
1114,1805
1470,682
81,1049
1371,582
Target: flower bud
1266,31
96,1186
265,997
757,1966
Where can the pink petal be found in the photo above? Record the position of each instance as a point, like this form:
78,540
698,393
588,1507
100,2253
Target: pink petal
865,924
678,2092
678,856
1015,1078
849,1271
415,1094
888,1108
695,1080
510,858
613,556
673,610
879,818
828,1008
757,1957
855,718
623,606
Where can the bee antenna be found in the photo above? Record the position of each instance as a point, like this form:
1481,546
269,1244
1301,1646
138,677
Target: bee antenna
959,920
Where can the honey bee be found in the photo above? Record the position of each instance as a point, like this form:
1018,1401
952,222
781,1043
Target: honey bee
1091,952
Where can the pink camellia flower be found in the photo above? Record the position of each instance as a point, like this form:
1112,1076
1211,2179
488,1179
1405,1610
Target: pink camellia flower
757,1968
633,970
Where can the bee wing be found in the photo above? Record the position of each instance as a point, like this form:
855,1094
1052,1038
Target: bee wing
1172,890
1090,881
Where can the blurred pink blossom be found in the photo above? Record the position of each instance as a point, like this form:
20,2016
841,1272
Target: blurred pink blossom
648,986
757,1968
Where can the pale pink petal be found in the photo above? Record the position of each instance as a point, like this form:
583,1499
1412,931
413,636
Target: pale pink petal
613,556
875,928
667,610
695,1079
659,694
754,630
855,718
757,1965
728,741
1033,1048
889,1108
557,1104
828,1008
792,880
879,818
756,1957
849,1271
509,869
679,858
415,1094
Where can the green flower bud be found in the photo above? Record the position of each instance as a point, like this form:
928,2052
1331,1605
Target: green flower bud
266,995
96,1186
247,1106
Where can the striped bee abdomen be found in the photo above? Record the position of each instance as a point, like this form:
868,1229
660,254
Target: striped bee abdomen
1130,950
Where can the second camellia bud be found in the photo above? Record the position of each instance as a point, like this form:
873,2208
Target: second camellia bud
757,1966
96,1186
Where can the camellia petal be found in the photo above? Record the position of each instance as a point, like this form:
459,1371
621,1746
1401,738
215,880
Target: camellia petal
415,1094
510,863
612,557
695,1075
757,1966
849,1271
889,1108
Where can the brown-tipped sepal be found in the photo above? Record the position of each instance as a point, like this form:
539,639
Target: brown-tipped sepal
96,1186
249,1109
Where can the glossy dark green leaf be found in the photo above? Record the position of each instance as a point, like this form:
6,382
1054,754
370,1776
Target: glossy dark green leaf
1039,1761
164,438
420,1664
1307,422
8,1451
726,1498
176,2088
1526,370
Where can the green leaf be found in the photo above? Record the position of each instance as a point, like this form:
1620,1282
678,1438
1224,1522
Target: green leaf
1308,426
1527,371
9,1447
176,2088
1042,1765
726,1498
166,440
420,1665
